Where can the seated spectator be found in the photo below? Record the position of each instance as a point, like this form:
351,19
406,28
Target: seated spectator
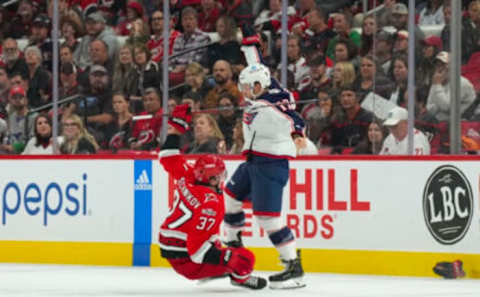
241,11
148,71
369,32
22,21
68,81
319,78
396,142
155,44
39,79
20,122
71,32
193,100
237,138
400,79
4,92
227,48
396,15
76,139
139,33
431,46
196,82
343,75
98,52
346,51
318,116
66,54
145,132
96,28
134,12
223,75
342,24
208,15
297,63
349,125
40,38
192,37
41,143
431,13
373,143
119,130
207,137
171,104
372,79
438,101
227,116
12,58
400,44
125,76
384,50
318,34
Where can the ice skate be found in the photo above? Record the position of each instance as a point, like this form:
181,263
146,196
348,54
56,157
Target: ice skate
253,283
291,277
237,243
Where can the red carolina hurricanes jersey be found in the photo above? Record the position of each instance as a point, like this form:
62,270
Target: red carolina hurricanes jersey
193,222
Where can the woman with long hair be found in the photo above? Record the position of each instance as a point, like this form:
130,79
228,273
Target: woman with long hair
343,75
41,142
227,48
207,136
372,79
77,140
375,136
400,77
369,29
125,77
118,131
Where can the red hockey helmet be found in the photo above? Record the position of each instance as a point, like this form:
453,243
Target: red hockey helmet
208,166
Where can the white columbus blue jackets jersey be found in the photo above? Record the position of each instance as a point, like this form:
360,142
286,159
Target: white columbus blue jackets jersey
268,124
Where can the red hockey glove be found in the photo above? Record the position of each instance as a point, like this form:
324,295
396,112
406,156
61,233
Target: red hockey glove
250,37
181,118
240,261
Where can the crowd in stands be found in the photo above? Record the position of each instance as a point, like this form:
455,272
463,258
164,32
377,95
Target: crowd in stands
347,69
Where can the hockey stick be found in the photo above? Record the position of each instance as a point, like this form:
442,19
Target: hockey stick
217,109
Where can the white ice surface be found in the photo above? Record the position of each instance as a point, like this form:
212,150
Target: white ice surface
93,281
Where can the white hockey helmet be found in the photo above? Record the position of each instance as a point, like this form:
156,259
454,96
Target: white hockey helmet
254,73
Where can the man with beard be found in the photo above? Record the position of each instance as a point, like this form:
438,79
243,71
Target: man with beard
39,38
319,78
14,63
297,63
96,103
155,44
22,22
222,73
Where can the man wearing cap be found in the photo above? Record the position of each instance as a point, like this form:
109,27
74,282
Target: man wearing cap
396,15
438,101
396,142
40,38
319,79
96,28
20,126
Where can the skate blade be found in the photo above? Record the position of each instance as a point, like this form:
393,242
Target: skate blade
294,283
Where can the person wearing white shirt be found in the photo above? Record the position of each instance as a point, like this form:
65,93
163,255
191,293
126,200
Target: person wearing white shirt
396,142
41,143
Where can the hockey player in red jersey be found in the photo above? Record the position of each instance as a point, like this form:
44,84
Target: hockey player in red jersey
189,235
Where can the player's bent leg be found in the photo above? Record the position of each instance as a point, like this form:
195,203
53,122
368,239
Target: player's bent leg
282,238
241,262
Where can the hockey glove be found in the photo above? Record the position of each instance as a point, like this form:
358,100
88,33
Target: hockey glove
181,118
240,261
250,37
449,269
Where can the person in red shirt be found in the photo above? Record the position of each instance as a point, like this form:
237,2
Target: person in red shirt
189,235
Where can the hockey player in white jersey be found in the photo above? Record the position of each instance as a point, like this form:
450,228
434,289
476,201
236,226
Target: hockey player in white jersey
269,123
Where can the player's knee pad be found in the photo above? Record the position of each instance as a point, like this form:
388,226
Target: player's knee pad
232,205
270,224
281,237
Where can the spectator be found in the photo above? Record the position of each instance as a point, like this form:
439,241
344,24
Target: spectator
270,18
373,143
148,71
396,142
139,33
227,48
41,143
371,80
20,122
400,45
119,130
71,32
318,115
343,75
266,52
155,44
384,49
76,139
66,54
318,34
96,103
193,100
319,78
400,79
4,90
125,76
207,136
68,81
431,46
438,101
346,51
40,38
208,16
241,11
22,21
369,32
134,12
297,63
98,52
196,82
39,84
192,37
396,15
12,58
342,25
96,28
4,23
237,138
349,125
145,133
227,117
431,14
222,73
